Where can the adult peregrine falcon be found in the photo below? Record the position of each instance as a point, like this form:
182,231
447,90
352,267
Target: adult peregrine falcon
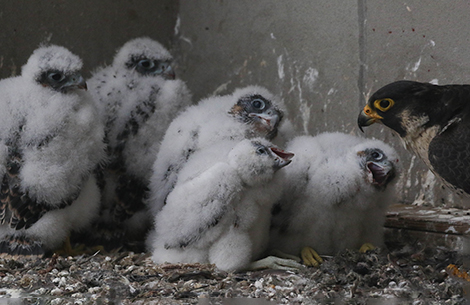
433,121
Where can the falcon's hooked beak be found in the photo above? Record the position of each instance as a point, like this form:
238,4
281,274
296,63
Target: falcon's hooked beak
382,172
75,81
367,117
268,119
283,157
169,73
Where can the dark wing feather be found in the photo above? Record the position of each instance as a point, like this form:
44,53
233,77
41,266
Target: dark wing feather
17,208
130,195
449,154
139,116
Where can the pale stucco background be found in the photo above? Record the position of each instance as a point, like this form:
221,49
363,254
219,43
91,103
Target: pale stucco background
323,58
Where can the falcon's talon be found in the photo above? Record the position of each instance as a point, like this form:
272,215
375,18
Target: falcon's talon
310,257
367,247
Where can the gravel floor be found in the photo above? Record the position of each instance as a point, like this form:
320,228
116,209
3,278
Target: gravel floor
403,275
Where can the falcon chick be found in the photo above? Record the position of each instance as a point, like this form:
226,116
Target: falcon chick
219,212
335,194
433,121
138,96
51,140
247,113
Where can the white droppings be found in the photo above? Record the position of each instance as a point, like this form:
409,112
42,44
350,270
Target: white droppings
272,36
310,77
416,65
177,25
332,91
221,89
451,230
434,81
412,162
280,67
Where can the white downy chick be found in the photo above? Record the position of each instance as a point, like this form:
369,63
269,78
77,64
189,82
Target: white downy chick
246,113
335,195
51,141
138,96
219,212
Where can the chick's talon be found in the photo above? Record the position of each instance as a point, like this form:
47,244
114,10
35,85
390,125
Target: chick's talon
310,257
366,247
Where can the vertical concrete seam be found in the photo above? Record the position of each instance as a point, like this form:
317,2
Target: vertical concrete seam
362,40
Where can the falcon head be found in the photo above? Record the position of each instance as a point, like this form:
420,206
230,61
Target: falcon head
255,106
379,164
257,160
55,67
145,56
410,108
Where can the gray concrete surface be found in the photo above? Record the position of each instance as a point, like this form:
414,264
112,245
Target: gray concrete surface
323,58
91,29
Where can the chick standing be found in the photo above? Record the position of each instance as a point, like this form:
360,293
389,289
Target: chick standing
138,96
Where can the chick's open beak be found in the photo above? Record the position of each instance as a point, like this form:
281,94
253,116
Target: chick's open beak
283,158
367,117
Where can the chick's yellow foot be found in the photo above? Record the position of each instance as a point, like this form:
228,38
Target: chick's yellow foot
310,257
366,247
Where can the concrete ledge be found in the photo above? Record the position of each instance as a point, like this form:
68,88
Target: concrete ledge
434,227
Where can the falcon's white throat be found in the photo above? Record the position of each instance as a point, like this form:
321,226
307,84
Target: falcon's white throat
417,136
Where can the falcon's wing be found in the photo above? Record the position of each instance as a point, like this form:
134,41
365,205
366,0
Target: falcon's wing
449,154
198,204
16,207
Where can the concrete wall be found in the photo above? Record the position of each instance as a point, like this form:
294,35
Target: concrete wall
91,29
323,58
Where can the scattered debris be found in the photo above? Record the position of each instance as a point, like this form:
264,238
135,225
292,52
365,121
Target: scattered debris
403,272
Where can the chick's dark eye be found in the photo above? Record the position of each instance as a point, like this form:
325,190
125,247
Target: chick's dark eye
258,104
147,64
377,155
261,151
55,76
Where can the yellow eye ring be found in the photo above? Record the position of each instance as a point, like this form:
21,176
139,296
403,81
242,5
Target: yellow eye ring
384,104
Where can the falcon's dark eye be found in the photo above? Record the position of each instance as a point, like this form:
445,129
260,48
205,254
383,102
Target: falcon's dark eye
258,104
377,155
56,76
384,104
262,151
146,64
